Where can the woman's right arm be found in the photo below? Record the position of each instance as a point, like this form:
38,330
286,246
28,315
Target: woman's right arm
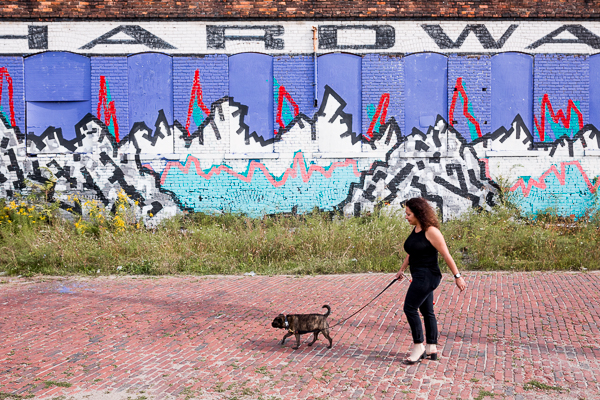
400,274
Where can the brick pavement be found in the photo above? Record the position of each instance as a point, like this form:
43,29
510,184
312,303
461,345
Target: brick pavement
210,338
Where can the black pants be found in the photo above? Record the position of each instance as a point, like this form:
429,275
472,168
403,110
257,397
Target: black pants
419,297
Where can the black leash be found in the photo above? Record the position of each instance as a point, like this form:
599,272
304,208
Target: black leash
380,293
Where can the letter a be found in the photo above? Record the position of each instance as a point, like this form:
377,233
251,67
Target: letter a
138,34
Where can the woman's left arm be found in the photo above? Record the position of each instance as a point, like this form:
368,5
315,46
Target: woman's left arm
436,238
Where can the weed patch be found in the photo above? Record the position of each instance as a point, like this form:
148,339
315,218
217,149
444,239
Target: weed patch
57,383
531,385
12,396
483,394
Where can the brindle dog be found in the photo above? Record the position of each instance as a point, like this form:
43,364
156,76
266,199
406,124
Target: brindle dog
298,324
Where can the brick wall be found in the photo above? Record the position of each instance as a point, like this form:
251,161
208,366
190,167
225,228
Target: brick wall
212,85
561,89
297,75
213,77
13,79
114,71
470,76
314,9
318,161
559,79
381,74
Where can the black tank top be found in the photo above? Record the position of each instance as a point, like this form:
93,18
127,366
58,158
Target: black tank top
421,253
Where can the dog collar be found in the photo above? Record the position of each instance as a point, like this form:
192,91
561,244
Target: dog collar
287,324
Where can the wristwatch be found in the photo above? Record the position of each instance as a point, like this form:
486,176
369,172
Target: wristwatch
457,276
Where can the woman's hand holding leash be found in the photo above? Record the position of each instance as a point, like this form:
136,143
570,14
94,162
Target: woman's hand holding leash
400,275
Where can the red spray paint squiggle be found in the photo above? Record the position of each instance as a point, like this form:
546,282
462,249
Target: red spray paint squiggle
110,112
461,90
197,96
283,93
556,117
5,75
380,113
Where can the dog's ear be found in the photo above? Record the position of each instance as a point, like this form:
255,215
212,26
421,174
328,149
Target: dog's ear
281,315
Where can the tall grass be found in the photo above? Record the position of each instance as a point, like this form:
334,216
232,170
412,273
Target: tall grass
316,243
200,244
505,240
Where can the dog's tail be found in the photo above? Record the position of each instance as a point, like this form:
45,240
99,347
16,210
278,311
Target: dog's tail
328,310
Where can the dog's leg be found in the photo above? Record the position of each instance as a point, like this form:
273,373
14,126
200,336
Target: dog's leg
297,341
287,335
326,334
315,336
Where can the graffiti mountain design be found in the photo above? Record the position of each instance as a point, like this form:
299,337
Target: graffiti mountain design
439,164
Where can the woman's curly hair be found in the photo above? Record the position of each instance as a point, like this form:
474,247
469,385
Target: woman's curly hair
423,212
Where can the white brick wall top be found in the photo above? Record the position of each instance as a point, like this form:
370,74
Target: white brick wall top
294,37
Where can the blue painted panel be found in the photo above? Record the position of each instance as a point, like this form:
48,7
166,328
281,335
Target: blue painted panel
251,84
64,115
150,78
594,62
342,72
426,76
57,76
512,89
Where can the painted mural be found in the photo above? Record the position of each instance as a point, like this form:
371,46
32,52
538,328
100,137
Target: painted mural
258,134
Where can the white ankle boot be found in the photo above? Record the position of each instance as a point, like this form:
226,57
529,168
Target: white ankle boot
431,351
417,353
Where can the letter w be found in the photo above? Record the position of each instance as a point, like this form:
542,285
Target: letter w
483,35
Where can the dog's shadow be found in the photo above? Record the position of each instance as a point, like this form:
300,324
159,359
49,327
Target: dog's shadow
319,349
273,344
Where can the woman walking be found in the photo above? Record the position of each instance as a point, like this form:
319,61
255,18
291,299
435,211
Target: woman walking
422,246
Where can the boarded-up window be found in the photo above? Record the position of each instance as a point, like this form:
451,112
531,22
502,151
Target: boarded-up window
57,93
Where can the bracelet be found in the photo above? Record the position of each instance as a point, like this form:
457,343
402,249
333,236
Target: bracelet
457,276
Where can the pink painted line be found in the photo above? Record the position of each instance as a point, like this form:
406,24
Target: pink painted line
148,166
486,161
561,175
298,165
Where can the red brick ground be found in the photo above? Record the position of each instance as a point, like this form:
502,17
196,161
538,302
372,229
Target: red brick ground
210,337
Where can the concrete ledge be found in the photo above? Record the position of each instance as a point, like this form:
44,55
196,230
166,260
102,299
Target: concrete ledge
513,153
250,156
428,154
380,155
